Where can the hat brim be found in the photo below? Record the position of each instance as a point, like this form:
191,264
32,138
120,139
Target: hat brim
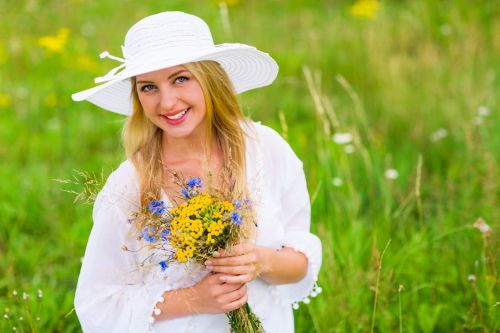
247,68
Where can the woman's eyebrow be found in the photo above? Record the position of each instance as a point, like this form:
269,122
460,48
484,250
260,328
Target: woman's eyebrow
169,77
143,81
177,73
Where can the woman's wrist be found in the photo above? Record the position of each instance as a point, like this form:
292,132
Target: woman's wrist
175,304
264,261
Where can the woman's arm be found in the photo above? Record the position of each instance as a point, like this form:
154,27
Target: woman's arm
282,266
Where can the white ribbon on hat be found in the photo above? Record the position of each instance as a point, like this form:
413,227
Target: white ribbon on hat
112,73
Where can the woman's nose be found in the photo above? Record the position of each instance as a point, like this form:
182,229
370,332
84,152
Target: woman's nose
168,98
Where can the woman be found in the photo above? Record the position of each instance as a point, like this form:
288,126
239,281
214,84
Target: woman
179,90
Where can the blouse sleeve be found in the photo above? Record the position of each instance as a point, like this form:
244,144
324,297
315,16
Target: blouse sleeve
110,295
296,213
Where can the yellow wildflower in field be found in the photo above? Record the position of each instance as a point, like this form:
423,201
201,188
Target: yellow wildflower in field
55,43
366,9
86,63
50,101
4,100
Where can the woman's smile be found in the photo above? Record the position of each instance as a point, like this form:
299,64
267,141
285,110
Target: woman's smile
176,117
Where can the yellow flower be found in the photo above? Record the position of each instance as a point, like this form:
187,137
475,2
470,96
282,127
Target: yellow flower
55,43
4,100
50,101
86,63
366,9
196,222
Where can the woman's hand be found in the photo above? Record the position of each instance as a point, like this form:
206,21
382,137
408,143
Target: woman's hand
212,295
241,264
245,262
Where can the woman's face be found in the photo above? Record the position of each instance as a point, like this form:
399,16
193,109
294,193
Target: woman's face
173,100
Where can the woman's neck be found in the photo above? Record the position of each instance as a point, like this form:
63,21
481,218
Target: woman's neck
178,150
192,158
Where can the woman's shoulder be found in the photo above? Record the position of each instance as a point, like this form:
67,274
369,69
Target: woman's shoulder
121,183
123,175
270,141
265,134
120,191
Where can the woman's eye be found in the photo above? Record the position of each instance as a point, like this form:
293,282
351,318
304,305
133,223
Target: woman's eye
147,87
181,79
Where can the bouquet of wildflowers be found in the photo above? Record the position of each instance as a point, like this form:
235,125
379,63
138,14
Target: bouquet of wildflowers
195,229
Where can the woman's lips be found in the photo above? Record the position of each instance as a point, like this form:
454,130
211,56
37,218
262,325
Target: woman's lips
177,118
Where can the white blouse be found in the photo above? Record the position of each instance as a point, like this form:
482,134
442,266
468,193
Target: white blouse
116,294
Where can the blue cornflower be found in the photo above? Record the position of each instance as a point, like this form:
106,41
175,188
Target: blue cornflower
157,207
237,204
236,217
164,233
194,182
163,265
145,235
185,193
246,201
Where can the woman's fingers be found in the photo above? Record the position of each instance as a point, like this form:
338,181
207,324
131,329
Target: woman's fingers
241,261
235,279
236,250
246,259
234,299
234,270
237,304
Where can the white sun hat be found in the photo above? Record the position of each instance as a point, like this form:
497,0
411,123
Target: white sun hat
169,39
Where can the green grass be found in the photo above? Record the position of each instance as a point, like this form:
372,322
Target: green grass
392,81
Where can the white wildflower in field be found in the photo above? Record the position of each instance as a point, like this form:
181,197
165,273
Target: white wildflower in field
88,29
342,138
349,149
40,293
445,30
22,92
439,134
25,296
14,293
471,277
483,111
481,225
53,124
391,174
337,181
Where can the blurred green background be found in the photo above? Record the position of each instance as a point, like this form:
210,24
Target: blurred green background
392,106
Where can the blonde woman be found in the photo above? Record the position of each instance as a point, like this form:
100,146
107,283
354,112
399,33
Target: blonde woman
179,91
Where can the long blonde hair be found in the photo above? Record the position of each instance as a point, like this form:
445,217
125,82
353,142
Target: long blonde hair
143,140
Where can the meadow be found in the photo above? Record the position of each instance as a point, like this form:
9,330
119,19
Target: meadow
391,105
